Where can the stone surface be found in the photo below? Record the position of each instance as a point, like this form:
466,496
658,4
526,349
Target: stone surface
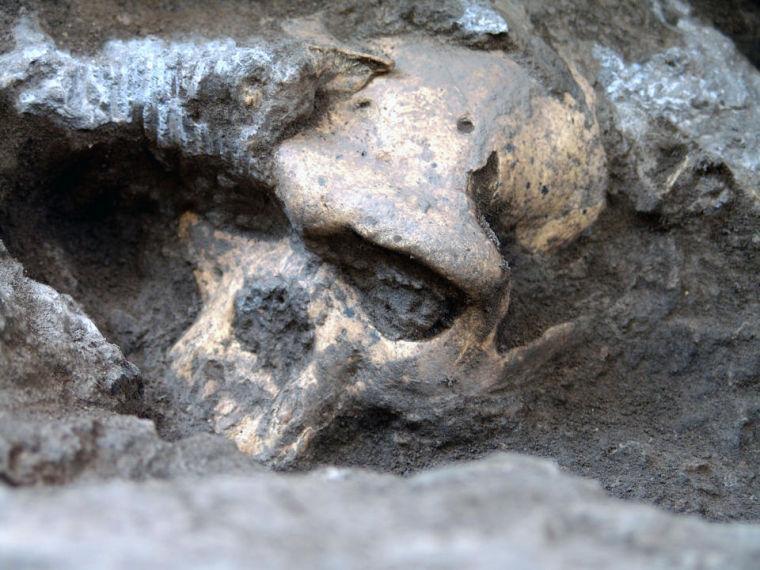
60,447
213,98
700,97
505,511
50,351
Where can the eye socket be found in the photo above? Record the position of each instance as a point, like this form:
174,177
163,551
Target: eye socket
404,299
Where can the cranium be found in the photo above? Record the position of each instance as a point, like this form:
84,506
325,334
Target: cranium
386,287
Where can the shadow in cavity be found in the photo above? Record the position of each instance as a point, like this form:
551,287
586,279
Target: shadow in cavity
101,225
404,299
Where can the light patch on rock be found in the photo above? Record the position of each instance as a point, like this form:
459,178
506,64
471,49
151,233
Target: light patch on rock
479,18
207,97
705,88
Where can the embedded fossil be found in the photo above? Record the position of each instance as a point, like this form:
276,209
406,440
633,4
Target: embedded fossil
362,267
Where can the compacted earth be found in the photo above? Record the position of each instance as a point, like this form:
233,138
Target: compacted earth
452,284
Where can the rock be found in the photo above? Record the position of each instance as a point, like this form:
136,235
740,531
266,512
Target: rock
42,449
481,19
505,511
474,23
212,98
51,351
689,100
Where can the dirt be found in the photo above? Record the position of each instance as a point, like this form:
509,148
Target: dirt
271,320
657,396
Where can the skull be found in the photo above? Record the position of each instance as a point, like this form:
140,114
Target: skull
383,283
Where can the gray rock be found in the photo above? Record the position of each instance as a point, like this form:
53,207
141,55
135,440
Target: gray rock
481,19
210,98
50,350
691,100
507,511
38,449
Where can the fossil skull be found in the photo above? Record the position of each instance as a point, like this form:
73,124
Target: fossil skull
389,284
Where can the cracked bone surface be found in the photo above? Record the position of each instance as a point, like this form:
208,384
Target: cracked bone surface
377,280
